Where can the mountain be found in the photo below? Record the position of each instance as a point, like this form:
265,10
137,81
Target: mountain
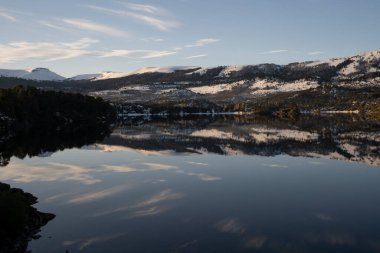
112,75
37,74
347,84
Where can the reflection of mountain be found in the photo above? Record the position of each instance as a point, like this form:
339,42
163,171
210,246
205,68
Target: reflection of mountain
333,138
19,221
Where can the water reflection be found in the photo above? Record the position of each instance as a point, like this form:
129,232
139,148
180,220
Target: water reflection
325,137
211,185
40,141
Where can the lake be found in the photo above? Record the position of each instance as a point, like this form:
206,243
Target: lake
206,184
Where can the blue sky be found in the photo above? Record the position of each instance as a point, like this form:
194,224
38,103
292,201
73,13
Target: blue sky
87,36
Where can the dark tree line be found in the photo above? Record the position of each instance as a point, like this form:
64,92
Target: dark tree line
28,106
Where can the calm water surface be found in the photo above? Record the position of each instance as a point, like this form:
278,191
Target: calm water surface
210,186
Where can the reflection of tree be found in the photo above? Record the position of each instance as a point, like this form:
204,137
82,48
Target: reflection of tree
33,121
39,140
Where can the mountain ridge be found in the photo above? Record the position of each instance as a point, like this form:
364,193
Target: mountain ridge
225,71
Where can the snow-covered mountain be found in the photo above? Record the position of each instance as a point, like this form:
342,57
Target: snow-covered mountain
112,75
351,67
37,74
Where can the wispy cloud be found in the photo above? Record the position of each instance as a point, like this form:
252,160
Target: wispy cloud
275,51
137,54
53,51
316,53
152,39
88,25
203,42
141,13
54,26
12,15
196,56
144,8
8,16
160,24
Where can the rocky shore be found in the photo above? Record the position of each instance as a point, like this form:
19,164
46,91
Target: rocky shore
20,222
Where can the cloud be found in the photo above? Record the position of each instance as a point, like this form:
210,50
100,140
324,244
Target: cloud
7,16
11,15
17,51
144,8
54,26
88,25
196,56
203,42
160,24
53,51
141,13
275,51
152,39
316,53
137,54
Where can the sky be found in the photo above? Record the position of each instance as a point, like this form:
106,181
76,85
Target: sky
73,37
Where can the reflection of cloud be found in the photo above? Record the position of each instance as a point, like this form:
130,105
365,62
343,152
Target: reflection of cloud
275,165
48,172
94,196
142,167
323,217
201,176
315,163
333,238
231,225
255,242
160,197
148,207
151,211
205,177
196,163
84,243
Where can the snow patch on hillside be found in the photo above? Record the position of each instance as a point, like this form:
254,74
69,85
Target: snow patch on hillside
332,62
166,70
226,72
264,87
213,89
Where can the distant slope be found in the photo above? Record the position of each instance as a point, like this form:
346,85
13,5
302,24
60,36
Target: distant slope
38,74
